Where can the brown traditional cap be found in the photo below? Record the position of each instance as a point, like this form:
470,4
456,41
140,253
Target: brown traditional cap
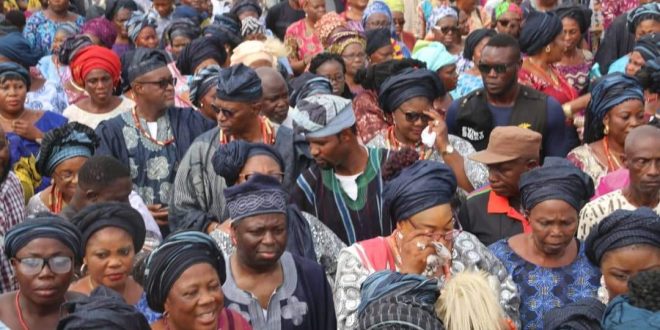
507,143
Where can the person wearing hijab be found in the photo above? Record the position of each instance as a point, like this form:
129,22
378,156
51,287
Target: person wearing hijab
351,46
576,62
103,309
622,245
643,20
584,314
44,251
101,31
97,71
199,54
470,79
379,46
616,107
507,18
408,98
417,196
40,27
442,26
301,39
646,49
141,30
153,137
292,292
112,233
63,151
189,260
549,265
202,90
178,34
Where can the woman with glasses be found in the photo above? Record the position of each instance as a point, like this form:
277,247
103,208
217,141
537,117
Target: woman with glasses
507,18
408,99
351,46
398,20
442,27
549,265
332,67
43,252
97,70
379,16
63,152
112,233
417,195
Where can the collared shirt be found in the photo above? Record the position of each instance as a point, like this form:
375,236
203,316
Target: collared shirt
12,211
490,217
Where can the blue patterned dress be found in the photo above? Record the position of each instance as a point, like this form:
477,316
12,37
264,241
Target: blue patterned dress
542,289
466,84
40,31
143,307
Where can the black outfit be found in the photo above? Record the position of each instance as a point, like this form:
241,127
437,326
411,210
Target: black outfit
617,42
488,227
281,16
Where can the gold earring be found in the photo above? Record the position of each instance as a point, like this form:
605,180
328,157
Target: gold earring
606,130
547,49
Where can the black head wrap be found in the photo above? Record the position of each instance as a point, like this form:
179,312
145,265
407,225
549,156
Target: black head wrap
539,30
111,214
44,225
188,12
308,84
15,71
71,46
16,48
650,10
230,158
407,84
622,228
649,75
260,194
648,46
584,314
239,83
202,82
103,309
228,26
418,187
112,7
556,179
198,51
142,61
62,143
175,254
242,6
377,39
179,27
473,39
580,14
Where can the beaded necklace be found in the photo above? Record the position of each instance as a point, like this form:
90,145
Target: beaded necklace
146,134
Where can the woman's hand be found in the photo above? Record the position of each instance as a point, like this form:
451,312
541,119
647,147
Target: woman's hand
26,130
414,248
438,126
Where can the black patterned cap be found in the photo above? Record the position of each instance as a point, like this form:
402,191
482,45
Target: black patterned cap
260,194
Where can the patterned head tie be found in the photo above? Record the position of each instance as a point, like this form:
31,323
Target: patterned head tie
261,194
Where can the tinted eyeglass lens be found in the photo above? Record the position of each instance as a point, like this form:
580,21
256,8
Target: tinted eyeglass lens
414,117
486,68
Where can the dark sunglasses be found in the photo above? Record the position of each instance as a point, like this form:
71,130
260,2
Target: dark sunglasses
225,112
447,29
499,68
413,117
162,84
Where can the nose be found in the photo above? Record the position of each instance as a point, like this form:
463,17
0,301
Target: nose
206,298
114,263
314,151
654,169
268,238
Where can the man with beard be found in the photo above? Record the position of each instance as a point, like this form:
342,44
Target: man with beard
272,288
642,159
344,188
152,138
12,211
504,102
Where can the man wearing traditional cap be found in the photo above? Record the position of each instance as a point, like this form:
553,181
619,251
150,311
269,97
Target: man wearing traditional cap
642,159
494,212
197,188
344,189
272,288
152,138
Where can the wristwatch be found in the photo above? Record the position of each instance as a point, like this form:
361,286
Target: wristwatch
448,150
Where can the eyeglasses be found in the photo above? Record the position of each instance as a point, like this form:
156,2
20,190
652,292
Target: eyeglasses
163,83
339,78
447,29
447,236
34,266
225,112
353,57
413,117
499,68
279,176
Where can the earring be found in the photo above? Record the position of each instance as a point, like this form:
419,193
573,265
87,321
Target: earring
201,105
83,269
547,49
606,130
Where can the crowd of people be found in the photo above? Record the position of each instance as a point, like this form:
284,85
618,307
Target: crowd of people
329,164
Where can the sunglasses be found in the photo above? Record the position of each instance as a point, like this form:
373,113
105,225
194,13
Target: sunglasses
499,68
413,117
447,29
162,84
225,112
34,266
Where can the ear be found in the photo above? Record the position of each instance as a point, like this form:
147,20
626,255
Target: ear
256,107
606,119
532,163
91,195
232,233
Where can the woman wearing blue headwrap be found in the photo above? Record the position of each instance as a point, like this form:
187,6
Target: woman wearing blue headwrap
44,252
141,30
178,34
417,195
643,20
379,16
549,265
647,48
63,151
202,90
616,107
622,245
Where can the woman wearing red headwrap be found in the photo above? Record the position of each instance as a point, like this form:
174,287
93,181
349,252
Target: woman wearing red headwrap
97,70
